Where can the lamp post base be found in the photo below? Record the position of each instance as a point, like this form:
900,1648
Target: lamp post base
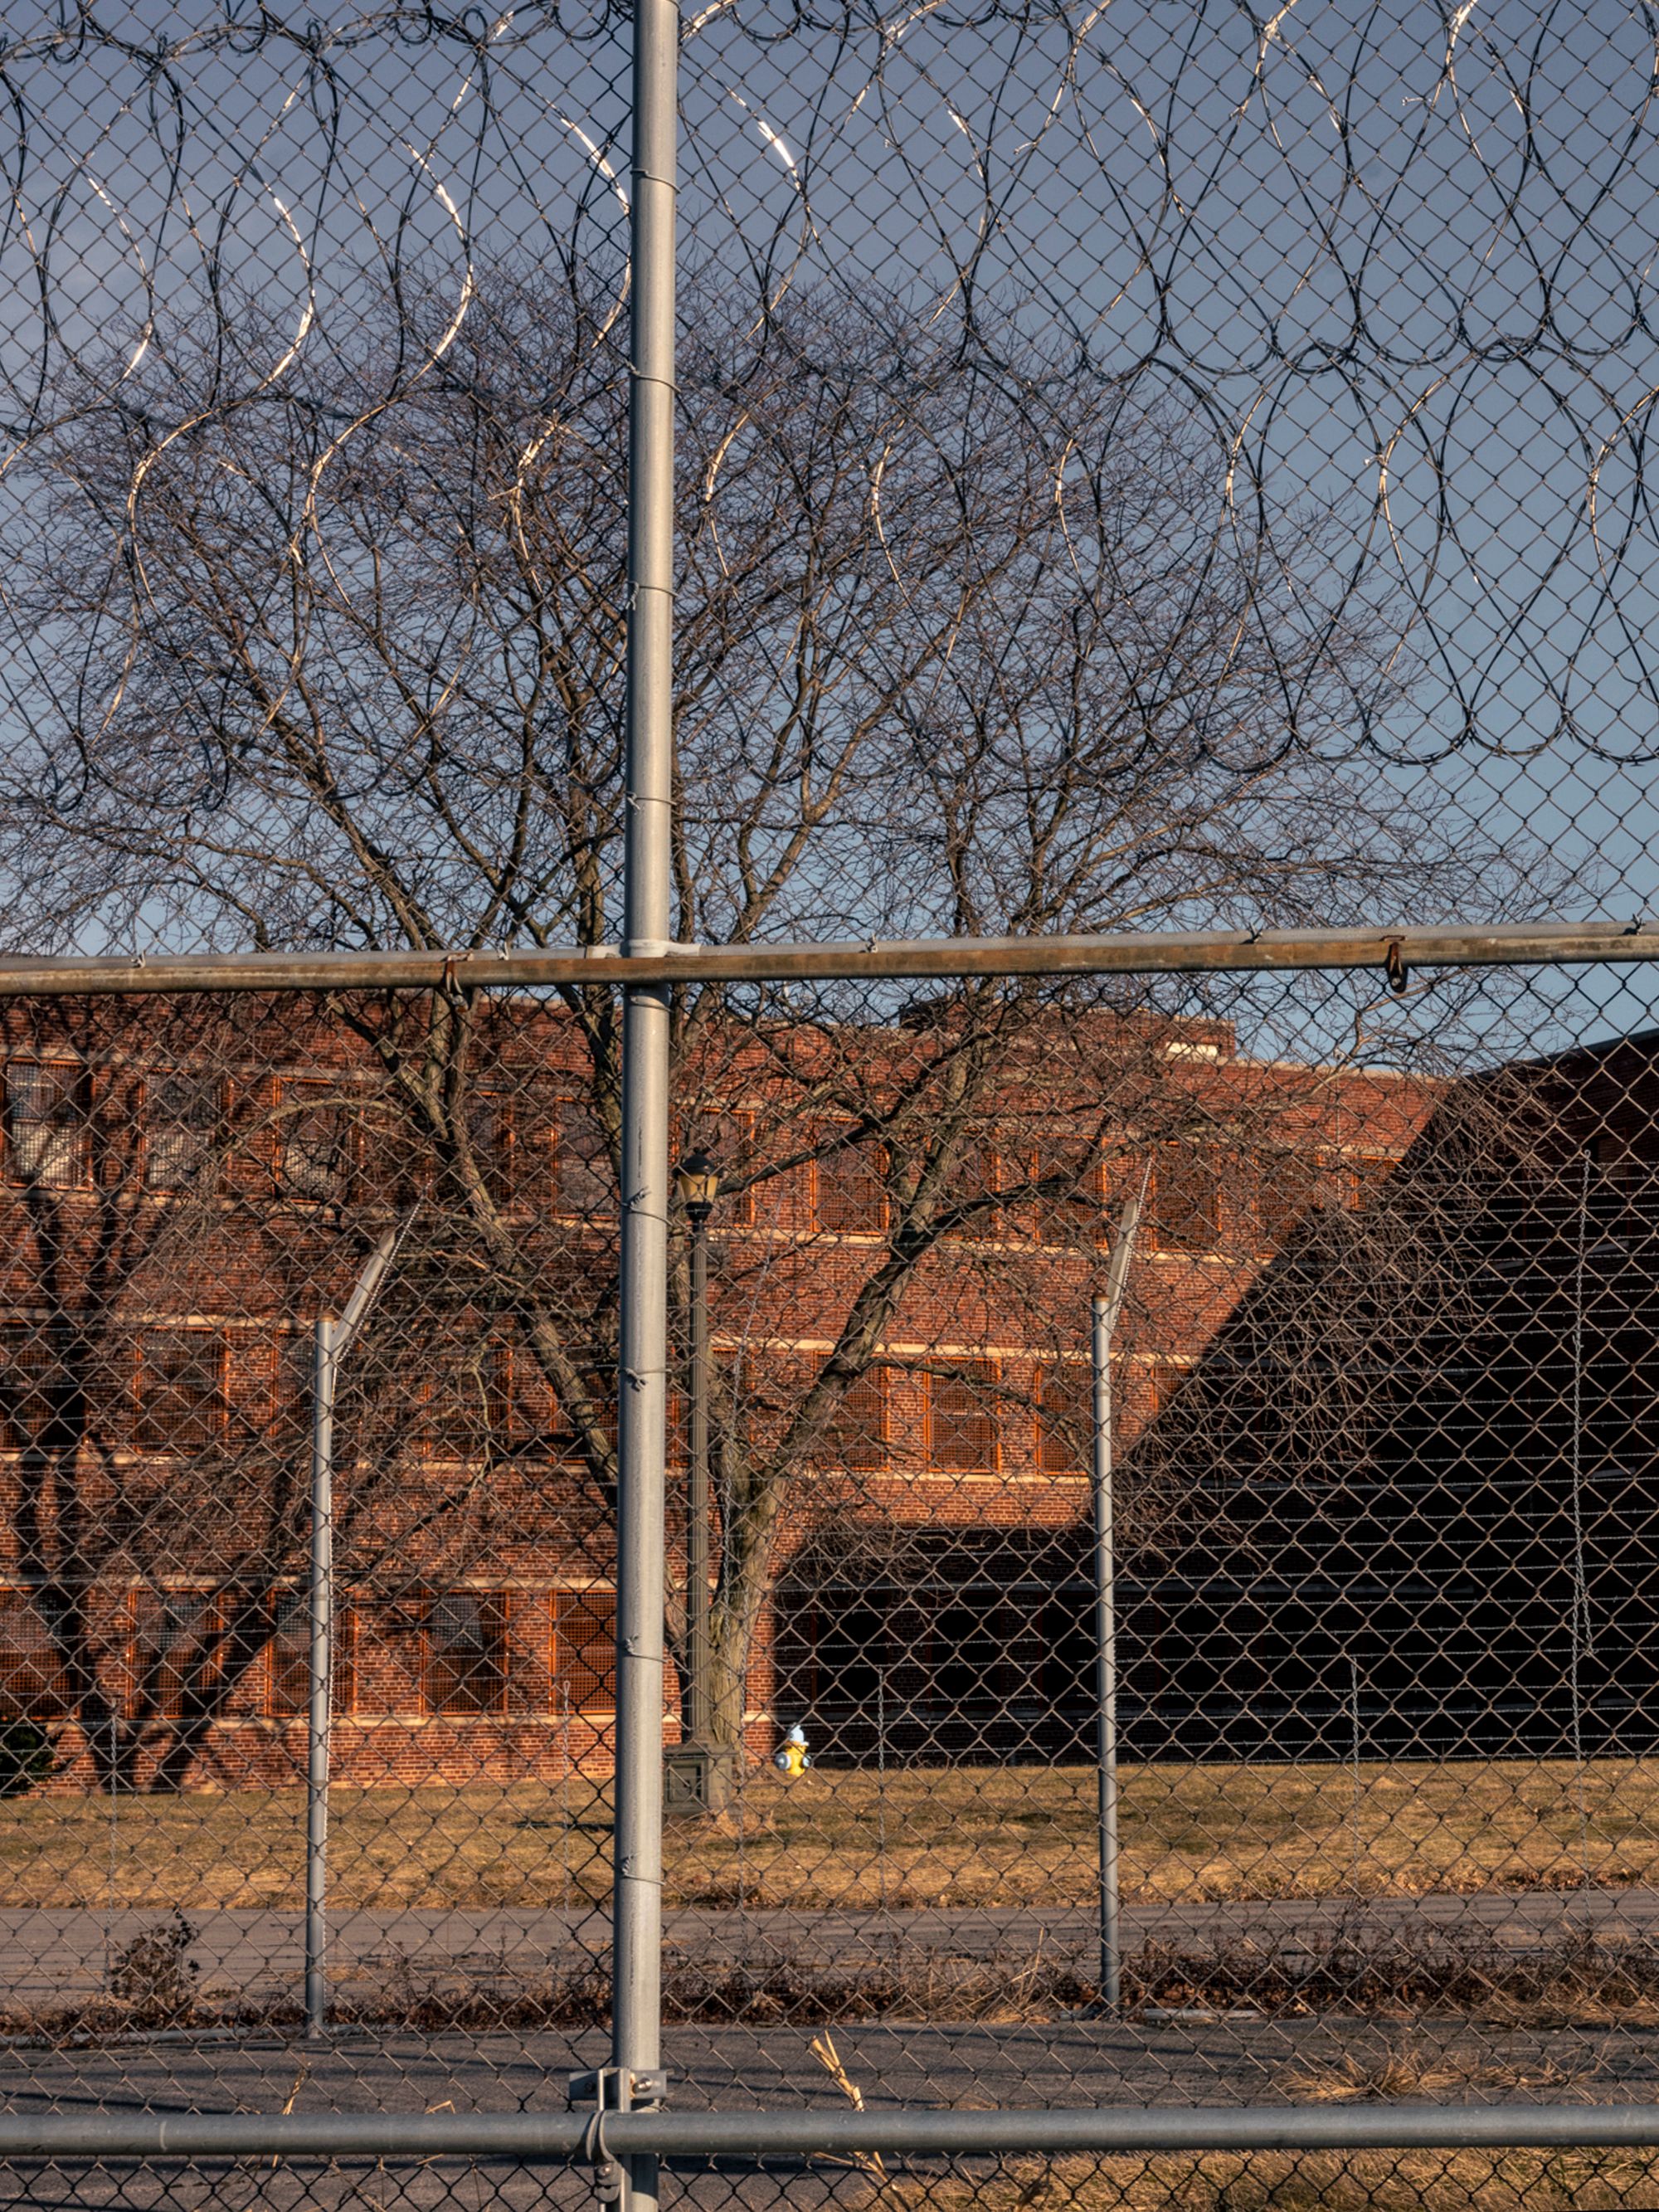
697,1777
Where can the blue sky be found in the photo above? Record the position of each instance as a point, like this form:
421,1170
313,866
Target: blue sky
1395,262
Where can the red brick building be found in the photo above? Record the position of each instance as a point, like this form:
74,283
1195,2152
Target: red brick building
184,1184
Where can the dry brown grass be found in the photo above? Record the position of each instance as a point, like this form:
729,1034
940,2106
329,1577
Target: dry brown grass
1388,1975
1385,1976
1304,2181
943,1836
1415,2068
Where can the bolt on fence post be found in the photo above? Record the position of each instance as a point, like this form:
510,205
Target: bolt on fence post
642,1382
329,1343
1105,1313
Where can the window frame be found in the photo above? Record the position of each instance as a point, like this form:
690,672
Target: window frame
152,1442
570,1111
1166,1236
208,1133
986,1371
72,1120
868,1159
310,1189
1078,1410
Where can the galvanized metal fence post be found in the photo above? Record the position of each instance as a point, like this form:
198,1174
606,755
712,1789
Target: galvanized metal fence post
323,1370
1106,1310
642,1382
329,1343
696,1534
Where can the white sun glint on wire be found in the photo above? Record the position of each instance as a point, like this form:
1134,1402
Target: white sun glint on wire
770,138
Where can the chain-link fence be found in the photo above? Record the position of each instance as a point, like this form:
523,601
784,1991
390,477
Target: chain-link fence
1381,1434
1154,1530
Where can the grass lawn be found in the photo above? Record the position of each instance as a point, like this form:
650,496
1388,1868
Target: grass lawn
948,1836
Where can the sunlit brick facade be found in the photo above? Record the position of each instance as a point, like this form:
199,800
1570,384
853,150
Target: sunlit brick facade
182,1188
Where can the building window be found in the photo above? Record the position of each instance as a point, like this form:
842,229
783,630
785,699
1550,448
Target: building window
855,1435
1287,1190
179,1388
961,1418
582,1175
585,1650
974,1183
1186,1200
288,1656
37,1389
46,1123
1066,1418
489,1140
1066,1196
458,1394
851,1195
315,1142
182,1116
175,1654
484,1395
466,1654
32,1685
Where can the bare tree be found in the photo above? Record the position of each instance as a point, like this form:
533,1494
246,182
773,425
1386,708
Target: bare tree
326,649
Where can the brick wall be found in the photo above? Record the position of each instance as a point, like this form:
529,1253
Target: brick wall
181,1185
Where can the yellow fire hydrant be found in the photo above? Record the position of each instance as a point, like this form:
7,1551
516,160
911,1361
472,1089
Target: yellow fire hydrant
792,1759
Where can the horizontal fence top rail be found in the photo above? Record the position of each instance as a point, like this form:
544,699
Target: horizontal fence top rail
1392,949
775,2132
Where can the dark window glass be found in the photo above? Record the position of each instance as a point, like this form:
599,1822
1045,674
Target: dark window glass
962,1422
582,1161
182,1117
465,1654
46,1123
1186,1200
181,1390
315,1141
32,1686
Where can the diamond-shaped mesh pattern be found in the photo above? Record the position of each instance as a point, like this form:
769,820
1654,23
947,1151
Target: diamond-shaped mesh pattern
213,1177
1379,1419
1147,468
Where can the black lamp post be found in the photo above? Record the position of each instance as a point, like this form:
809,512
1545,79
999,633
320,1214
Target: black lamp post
697,1772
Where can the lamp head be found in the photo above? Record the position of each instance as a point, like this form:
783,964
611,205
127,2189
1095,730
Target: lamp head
699,1185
